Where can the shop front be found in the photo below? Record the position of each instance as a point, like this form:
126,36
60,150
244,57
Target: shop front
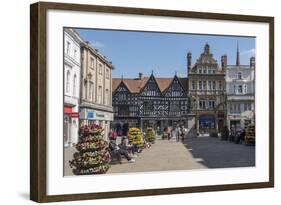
207,123
70,125
102,118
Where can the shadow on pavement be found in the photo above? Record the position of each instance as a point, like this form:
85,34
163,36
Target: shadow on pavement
214,153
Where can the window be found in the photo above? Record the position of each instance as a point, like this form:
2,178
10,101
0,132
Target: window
209,85
100,95
75,54
107,74
68,47
205,70
100,68
74,85
193,85
231,108
91,91
67,82
211,103
174,106
204,85
148,106
239,75
92,62
106,97
200,85
245,89
200,71
234,88
214,71
214,85
237,108
247,106
122,96
220,85
202,104
240,89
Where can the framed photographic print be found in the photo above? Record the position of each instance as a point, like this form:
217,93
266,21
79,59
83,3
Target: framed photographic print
136,102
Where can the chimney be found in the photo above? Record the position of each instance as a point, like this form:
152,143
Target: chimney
252,62
189,61
223,62
140,76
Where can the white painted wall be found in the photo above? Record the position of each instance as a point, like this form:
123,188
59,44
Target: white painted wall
72,69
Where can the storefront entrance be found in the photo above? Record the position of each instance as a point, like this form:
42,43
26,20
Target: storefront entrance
207,123
66,130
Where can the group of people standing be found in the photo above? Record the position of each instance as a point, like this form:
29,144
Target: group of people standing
177,132
235,134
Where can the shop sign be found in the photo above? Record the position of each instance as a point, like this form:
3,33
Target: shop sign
90,115
74,114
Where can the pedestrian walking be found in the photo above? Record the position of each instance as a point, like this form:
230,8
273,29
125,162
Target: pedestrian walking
182,133
177,133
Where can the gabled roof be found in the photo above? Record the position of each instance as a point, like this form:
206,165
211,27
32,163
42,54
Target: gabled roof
136,85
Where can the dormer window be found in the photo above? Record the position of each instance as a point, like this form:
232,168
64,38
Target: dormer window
239,75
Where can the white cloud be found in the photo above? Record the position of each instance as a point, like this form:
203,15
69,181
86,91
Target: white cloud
250,52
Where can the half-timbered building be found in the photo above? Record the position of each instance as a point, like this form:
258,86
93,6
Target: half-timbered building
150,101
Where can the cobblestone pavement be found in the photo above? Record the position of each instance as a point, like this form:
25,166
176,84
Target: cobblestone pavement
194,153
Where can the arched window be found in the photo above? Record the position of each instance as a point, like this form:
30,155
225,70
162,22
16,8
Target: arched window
74,85
239,75
67,82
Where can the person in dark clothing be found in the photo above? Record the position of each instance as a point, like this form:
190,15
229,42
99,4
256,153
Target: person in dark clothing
241,137
115,149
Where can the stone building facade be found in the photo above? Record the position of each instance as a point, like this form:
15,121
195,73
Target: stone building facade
207,89
240,87
96,88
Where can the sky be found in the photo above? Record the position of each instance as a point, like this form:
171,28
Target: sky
133,52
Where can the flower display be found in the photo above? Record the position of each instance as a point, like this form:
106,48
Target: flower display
92,156
136,137
150,135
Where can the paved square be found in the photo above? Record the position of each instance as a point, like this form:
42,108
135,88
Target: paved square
194,153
